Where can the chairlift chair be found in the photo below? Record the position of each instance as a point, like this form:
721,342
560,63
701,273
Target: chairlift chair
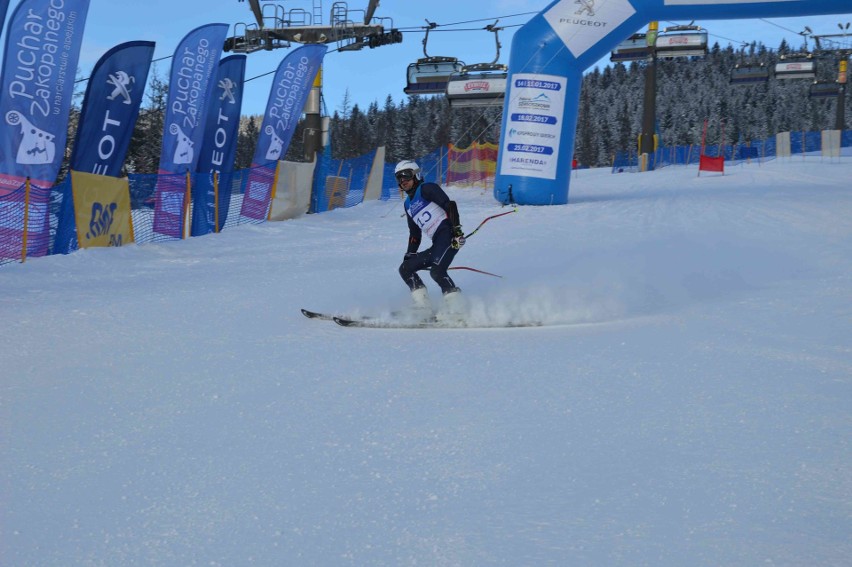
481,84
824,89
795,66
749,74
430,74
682,41
634,48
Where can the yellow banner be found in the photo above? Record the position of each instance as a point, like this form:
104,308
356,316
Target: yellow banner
102,210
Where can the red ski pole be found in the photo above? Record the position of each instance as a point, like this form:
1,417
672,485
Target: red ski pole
488,219
474,270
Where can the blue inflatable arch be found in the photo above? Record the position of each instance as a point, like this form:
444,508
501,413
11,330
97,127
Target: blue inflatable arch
548,57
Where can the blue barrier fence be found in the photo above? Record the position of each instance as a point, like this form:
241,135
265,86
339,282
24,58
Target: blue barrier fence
800,143
51,229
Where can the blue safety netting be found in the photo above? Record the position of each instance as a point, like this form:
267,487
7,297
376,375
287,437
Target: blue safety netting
337,183
340,182
800,143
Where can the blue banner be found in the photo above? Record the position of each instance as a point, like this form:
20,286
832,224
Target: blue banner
190,87
43,42
287,97
191,83
110,108
4,7
219,147
290,88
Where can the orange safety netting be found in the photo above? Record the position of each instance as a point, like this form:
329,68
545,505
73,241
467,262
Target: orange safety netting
475,165
24,224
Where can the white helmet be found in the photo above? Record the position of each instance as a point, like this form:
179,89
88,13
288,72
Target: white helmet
408,165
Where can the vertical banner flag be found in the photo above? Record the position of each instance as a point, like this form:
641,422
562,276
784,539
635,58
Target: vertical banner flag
43,42
220,146
191,83
287,97
110,108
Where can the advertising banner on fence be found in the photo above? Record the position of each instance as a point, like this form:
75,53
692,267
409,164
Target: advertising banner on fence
219,146
290,89
39,62
110,108
102,210
191,82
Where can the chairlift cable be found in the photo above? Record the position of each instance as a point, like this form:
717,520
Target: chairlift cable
84,79
476,29
434,26
486,20
764,20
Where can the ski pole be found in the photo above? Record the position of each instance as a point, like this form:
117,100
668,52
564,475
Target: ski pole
488,219
474,270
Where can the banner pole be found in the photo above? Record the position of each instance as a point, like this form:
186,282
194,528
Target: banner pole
274,192
186,197
216,201
26,219
132,233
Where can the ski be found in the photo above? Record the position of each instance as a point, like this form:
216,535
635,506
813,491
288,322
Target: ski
427,324
329,317
317,315
393,323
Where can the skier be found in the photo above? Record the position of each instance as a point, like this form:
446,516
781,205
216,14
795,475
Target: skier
429,209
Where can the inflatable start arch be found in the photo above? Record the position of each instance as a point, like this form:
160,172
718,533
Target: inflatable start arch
549,55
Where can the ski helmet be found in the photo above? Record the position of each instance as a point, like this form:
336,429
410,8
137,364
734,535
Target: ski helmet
405,166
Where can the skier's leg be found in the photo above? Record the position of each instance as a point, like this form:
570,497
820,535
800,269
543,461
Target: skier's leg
442,256
411,265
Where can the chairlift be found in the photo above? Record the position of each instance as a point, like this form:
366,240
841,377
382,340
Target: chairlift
634,48
429,74
481,84
795,66
682,41
824,89
749,74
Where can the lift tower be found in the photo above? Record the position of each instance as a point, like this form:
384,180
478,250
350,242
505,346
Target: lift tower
276,27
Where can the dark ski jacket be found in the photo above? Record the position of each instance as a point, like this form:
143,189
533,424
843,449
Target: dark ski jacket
428,208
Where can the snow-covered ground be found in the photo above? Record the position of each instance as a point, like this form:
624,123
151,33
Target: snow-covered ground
689,402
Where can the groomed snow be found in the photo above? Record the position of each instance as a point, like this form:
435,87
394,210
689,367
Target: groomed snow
687,404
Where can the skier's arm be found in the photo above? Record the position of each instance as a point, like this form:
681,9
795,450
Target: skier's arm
453,214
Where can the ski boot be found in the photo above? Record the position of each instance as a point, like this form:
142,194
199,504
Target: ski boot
421,310
452,311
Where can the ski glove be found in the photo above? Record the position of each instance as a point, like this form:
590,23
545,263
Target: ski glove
458,237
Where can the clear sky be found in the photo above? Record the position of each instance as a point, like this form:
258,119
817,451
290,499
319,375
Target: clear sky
372,74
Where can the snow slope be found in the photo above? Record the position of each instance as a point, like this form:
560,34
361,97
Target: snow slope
688,404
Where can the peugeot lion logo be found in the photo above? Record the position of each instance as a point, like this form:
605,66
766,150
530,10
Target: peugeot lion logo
227,86
587,6
121,81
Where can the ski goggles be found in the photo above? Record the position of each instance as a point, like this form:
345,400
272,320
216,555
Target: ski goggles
404,175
